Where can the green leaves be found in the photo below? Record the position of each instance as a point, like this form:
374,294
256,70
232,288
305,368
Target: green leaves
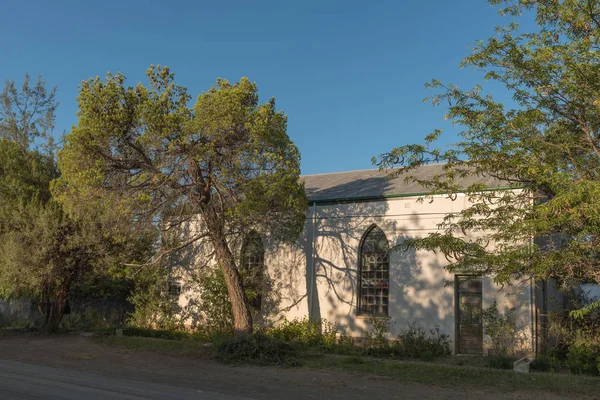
140,159
27,115
544,146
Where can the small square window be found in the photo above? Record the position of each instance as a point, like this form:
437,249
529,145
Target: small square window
174,289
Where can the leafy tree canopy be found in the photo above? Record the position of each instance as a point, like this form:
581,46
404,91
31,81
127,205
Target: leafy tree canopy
25,177
547,143
28,114
227,163
44,252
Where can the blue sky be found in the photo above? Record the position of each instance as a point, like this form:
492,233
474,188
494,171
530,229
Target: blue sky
348,74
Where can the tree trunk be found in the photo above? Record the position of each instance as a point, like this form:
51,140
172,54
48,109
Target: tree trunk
242,317
47,306
56,314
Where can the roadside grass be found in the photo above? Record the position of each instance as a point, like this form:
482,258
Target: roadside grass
451,372
183,347
445,375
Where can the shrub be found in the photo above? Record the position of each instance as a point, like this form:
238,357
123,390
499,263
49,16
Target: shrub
577,339
306,332
345,343
257,348
377,341
93,318
214,305
583,358
152,306
545,363
567,330
500,362
506,339
415,342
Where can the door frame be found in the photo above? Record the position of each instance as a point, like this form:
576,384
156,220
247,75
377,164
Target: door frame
457,310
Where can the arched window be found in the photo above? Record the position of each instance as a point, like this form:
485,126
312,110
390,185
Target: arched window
252,265
374,273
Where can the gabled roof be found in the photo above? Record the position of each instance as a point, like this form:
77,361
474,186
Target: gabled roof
373,184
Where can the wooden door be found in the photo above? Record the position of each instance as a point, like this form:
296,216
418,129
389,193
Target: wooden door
469,327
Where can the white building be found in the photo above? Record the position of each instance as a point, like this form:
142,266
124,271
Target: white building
342,268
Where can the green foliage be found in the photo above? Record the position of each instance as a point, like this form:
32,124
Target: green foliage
28,114
500,362
415,342
305,331
153,308
24,178
544,143
377,340
213,305
576,336
546,363
583,358
291,340
144,155
257,348
44,252
506,338
92,319
162,334
577,339
15,323
412,342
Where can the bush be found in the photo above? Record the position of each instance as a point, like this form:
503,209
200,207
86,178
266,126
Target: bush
306,332
583,358
213,304
415,342
345,344
577,339
152,305
500,362
258,348
377,341
545,363
506,340
567,330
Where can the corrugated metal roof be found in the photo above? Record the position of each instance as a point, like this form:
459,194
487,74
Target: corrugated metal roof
373,183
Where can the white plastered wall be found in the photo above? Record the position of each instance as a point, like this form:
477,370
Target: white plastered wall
317,277
418,281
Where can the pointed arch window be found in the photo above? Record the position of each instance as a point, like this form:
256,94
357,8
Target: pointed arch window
374,273
252,265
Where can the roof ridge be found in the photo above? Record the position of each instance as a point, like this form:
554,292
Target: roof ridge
367,169
341,172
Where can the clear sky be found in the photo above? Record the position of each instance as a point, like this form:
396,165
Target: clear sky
349,74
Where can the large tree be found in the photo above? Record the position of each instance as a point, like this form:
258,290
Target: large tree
226,164
545,143
43,252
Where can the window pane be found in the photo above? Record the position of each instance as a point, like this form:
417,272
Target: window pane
374,273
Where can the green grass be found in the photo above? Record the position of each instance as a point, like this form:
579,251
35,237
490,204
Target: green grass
184,347
461,376
450,372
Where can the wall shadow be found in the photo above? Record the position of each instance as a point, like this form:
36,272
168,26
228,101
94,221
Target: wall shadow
325,263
